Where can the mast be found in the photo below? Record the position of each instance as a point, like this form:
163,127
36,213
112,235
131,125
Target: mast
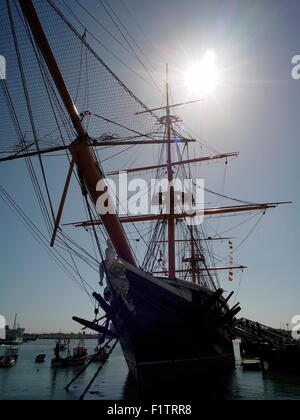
89,169
171,219
15,321
193,256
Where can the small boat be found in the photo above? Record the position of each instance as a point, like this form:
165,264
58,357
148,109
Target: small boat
79,357
9,358
58,361
7,361
101,354
14,351
40,358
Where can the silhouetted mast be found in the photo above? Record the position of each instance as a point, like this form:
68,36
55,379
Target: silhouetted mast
171,219
89,168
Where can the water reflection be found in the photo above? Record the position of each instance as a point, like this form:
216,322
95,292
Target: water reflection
130,390
282,386
209,388
28,381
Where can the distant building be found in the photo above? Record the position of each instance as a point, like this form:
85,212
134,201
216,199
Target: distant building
13,336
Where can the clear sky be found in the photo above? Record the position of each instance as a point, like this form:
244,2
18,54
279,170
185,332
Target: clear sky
255,111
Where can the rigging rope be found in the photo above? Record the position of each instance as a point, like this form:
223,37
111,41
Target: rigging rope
85,195
103,27
98,371
110,13
73,29
42,240
28,161
29,107
97,40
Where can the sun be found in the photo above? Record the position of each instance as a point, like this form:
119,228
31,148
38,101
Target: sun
202,78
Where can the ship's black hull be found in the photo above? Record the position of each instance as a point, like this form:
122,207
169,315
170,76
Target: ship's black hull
169,330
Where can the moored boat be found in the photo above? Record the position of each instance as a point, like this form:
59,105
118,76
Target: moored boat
62,344
8,359
79,357
101,354
40,358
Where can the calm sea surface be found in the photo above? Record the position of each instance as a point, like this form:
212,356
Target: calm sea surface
27,380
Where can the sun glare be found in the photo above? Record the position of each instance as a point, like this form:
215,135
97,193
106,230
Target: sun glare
203,77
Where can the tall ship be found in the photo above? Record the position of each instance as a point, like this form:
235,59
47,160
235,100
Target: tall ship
159,277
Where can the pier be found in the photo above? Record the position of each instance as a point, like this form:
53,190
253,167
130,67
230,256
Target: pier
255,334
276,347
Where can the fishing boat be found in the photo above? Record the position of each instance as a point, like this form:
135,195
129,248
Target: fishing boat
58,361
7,361
62,344
101,353
162,294
80,355
14,351
78,358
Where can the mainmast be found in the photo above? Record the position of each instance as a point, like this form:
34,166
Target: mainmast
15,321
171,219
89,169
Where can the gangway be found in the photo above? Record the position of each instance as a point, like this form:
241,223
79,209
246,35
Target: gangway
252,332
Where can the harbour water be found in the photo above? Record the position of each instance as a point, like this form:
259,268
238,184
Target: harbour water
30,381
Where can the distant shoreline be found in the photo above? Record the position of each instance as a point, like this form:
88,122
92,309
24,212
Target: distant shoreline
62,336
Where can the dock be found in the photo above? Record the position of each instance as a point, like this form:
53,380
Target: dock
252,365
276,347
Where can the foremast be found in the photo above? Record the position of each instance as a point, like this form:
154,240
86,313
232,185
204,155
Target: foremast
89,169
